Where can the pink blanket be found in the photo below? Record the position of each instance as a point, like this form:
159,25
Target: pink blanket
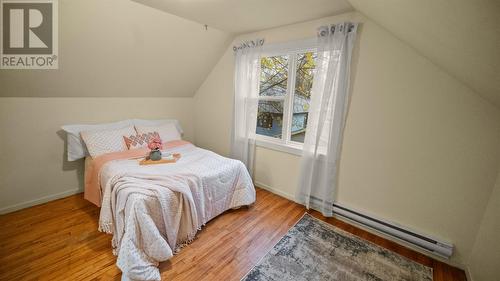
93,192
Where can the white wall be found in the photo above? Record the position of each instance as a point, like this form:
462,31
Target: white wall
484,263
33,165
420,149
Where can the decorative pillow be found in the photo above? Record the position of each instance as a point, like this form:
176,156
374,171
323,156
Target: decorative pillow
139,140
106,141
168,132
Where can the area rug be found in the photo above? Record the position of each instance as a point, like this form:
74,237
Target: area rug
316,250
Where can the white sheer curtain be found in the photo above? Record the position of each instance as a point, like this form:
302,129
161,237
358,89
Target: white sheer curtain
246,83
326,120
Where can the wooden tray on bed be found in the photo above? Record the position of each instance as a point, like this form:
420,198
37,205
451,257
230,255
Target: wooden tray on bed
177,156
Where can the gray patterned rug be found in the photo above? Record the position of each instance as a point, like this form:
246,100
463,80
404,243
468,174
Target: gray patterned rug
315,250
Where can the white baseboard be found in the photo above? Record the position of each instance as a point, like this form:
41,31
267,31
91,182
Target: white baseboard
275,191
468,273
38,201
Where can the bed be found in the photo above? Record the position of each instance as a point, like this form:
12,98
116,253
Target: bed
153,210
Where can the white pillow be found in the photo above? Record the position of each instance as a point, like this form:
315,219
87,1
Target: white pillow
76,146
149,123
106,141
168,131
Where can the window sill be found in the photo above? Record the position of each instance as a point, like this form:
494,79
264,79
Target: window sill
290,149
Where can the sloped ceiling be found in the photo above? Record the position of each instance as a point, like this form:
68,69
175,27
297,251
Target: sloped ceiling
161,48
118,48
460,36
242,16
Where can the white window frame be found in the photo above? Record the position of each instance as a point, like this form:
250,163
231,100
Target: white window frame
292,49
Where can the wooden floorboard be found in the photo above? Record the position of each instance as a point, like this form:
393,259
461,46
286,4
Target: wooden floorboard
59,241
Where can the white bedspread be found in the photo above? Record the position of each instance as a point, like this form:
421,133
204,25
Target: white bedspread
154,210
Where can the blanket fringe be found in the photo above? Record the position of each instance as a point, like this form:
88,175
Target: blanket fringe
191,237
186,242
106,227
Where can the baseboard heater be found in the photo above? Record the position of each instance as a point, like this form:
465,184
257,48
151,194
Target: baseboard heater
441,249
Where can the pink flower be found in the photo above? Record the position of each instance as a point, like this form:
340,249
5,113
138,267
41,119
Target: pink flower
155,144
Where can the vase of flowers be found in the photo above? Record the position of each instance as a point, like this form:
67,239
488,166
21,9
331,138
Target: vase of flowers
155,146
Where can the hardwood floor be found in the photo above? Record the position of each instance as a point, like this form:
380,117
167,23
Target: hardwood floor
59,241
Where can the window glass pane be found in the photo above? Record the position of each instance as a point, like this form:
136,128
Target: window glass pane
270,118
303,84
273,76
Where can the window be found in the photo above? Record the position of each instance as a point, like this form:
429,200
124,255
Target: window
284,95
